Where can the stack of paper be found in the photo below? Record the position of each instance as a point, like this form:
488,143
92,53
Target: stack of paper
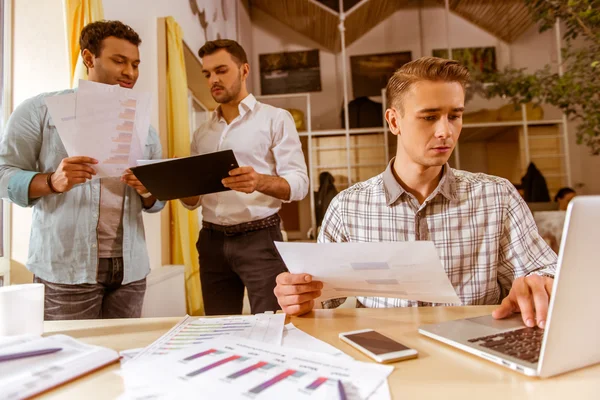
24,377
105,122
248,356
235,368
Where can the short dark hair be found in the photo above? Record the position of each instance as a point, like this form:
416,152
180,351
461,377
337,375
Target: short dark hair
231,46
563,192
94,33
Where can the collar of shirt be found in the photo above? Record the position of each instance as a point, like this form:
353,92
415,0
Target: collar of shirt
393,190
245,106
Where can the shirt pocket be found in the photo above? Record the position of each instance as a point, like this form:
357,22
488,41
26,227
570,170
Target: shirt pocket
53,150
53,138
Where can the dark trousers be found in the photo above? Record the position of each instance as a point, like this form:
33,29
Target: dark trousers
230,262
107,298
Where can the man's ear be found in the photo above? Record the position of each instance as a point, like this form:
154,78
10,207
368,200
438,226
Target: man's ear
88,58
392,118
245,70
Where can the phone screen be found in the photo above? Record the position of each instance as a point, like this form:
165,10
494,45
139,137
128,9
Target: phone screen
376,343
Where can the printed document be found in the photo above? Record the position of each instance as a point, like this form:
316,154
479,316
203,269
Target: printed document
405,270
232,368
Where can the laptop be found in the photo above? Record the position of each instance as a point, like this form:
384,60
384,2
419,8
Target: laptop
571,339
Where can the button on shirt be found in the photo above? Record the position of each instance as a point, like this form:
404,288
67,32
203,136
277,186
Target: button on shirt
63,244
483,231
263,137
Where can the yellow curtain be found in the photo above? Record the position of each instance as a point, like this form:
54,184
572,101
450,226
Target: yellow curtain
79,13
184,224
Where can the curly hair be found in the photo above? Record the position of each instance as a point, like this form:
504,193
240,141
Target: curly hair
94,33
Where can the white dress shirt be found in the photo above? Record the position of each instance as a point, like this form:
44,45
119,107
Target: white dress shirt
263,137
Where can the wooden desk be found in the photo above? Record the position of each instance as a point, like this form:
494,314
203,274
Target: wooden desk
440,372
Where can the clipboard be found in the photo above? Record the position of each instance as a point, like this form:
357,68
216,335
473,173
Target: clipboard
188,176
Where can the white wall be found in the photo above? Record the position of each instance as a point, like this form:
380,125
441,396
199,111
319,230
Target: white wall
244,36
271,36
40,64
401,32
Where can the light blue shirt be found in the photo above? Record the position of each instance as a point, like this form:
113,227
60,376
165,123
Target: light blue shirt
63,247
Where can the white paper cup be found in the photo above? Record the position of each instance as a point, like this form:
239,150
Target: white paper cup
22,309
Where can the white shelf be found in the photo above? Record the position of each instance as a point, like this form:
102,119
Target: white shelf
345,166
545,137
322,148
512,123
547,156
337,132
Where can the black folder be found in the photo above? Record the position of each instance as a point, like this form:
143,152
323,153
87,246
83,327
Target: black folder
189,176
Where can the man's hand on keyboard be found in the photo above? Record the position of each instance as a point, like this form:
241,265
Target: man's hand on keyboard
529,295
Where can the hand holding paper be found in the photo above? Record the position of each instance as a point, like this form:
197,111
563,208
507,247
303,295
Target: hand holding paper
296,293
406,270
72,171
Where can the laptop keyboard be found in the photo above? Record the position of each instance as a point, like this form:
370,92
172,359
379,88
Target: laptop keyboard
524,344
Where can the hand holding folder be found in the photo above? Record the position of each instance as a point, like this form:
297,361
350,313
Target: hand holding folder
188,176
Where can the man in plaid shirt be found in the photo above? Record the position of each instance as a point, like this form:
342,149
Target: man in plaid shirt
483,231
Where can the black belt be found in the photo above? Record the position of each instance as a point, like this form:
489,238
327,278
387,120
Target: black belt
245,227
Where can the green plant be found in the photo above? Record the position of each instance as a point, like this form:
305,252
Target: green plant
577,91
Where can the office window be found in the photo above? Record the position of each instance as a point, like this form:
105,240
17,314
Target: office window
1,120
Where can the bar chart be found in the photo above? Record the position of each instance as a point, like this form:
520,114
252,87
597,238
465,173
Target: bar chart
266,328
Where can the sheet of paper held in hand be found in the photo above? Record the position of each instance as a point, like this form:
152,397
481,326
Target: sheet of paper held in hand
106,122
405,270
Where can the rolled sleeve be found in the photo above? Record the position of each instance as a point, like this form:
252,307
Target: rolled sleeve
18,188
19,153
523,250
192,208
289,158
156,207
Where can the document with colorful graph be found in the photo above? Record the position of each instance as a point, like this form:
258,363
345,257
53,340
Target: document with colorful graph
266,328
112,126
232,367
105,122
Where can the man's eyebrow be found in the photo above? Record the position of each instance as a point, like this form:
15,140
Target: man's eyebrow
430,110
217,67
433,110
125,57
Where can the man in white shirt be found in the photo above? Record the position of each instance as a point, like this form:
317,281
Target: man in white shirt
239,226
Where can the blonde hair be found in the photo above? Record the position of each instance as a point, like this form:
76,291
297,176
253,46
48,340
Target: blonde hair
424,69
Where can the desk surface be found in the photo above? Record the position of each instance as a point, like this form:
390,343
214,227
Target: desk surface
440,371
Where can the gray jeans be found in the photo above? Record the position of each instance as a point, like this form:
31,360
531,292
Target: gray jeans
106,298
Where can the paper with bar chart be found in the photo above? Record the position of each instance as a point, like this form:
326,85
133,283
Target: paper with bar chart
105,122
266,328
25,377
232,367
405,270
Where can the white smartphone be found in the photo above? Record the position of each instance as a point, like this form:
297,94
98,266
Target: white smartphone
378,347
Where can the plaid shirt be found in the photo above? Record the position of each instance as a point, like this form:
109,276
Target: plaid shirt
483,230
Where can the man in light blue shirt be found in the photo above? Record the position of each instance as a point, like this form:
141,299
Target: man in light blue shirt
87,236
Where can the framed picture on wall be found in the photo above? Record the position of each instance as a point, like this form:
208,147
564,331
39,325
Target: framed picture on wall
290,72
477,59
371,72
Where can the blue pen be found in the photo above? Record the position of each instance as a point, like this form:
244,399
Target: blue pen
341,391
25,354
